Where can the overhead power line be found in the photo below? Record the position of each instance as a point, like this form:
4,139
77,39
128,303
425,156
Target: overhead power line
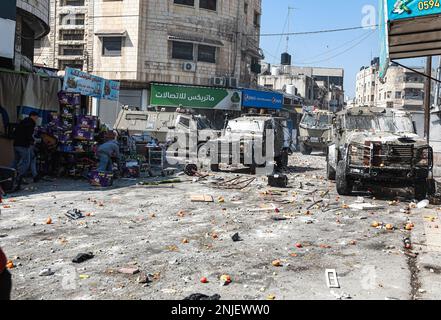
315,32
343,52
339,47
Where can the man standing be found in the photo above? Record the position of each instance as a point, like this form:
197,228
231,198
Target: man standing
106,152
5,279
23,140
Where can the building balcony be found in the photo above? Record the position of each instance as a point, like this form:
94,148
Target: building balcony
71,10
413,85
71,27
413,101
76,57
71,42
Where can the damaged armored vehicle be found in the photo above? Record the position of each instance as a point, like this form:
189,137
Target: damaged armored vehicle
246,139
315,131
162,125
378,146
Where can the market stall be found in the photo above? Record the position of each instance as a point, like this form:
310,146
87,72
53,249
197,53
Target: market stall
68,143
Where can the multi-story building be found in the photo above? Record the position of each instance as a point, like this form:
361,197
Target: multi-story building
22,22
322,87
401,89
69,43
198,42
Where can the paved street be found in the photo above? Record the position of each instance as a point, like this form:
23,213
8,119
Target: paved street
287,241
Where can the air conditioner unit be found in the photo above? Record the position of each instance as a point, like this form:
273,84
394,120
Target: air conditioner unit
232,82
218,81
189,66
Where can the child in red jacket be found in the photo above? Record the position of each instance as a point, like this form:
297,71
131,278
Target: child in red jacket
5,279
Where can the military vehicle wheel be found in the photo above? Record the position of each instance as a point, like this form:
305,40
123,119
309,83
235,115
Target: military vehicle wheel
330,172
305,150
215,167
344,184
421,190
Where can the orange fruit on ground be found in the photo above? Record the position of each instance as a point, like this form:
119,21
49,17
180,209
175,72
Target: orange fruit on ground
9,264
277,263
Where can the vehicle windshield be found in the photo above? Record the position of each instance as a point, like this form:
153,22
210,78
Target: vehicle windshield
383,123
361,123
203,124
321,121
245,126
404,124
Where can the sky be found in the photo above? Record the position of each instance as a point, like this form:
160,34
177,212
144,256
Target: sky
349,49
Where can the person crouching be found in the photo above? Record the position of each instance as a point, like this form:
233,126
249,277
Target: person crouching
107,152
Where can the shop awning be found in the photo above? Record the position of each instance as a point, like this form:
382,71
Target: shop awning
408,29
111,33
416,37
195,39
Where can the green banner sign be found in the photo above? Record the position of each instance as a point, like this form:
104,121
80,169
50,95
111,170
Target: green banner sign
164,95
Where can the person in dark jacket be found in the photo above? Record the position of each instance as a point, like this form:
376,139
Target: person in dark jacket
23,141
5,279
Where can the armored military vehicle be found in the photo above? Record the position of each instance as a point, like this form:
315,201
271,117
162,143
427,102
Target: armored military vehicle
378,146
245,141
315,131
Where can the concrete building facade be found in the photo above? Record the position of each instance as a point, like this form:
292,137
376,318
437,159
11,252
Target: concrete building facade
322,87
401,89
201,42
70,41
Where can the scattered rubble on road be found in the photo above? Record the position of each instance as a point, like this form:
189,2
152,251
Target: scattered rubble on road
221,234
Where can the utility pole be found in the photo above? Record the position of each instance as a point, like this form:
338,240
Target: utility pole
427,98
289,28
438,87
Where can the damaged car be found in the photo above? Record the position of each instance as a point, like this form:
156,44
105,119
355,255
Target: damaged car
378,146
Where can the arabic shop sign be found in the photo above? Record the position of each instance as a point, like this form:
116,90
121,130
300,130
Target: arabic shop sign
195,97
76,81
262,99
402,9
